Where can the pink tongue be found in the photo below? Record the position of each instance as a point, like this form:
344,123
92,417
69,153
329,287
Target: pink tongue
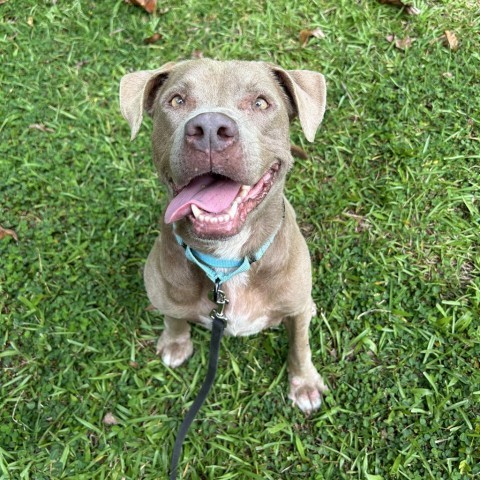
207,192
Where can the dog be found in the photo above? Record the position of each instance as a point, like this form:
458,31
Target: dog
221,147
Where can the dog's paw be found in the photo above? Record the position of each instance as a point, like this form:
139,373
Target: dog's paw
306,392
174,352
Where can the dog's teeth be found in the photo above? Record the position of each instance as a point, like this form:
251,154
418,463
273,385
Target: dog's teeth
244,190
196,211
214,219
202,218
233,209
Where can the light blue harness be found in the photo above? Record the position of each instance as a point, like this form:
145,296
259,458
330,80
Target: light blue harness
215,267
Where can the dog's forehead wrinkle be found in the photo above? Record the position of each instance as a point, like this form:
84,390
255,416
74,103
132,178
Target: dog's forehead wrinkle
220,82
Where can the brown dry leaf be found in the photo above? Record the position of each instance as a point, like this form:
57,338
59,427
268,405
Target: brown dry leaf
400,43
41,127
298,152
6,232
450,40
3,1
148,5
153,39
305,35
409,9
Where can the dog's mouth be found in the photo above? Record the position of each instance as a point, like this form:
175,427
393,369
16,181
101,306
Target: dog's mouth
216,205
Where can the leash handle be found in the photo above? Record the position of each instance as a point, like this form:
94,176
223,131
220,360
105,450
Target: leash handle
219,322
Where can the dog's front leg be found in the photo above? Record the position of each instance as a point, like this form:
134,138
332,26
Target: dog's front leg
306,385
175,345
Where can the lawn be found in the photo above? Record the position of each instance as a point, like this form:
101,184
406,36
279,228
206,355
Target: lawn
388,200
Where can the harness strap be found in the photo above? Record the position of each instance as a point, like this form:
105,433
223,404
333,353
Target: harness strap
215,267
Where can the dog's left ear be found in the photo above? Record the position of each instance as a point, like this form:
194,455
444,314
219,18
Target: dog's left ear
137,93
308,94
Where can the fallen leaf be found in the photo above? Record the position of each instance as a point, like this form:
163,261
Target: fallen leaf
3,1
409,9
447,75
148,5
450,40
400,43
4,232
298,152
318,33
30,21
41,127
153,39
305,35
109,419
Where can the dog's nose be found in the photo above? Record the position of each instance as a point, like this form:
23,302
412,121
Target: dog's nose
211,132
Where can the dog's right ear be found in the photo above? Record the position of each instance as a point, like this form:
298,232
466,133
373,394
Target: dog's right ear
137,93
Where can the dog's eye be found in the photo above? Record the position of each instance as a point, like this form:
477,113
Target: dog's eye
261,104
177,101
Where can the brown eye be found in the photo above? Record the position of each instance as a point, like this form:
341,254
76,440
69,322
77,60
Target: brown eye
177,101
261,104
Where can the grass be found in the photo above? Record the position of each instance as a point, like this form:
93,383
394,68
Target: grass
388,201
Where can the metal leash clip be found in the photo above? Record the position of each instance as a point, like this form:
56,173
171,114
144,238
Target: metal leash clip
218,296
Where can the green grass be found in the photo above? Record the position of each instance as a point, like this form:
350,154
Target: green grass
388,201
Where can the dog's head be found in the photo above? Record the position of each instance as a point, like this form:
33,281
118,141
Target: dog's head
221,135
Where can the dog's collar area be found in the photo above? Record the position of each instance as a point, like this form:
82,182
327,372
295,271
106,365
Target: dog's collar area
220,270
223,269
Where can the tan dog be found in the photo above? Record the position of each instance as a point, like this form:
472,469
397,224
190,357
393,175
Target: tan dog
221,146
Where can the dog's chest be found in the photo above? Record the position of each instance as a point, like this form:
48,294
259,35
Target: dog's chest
246,311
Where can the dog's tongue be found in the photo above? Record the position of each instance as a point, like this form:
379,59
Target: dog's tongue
212,194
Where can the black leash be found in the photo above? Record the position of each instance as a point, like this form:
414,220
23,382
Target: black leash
214,268
219,322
